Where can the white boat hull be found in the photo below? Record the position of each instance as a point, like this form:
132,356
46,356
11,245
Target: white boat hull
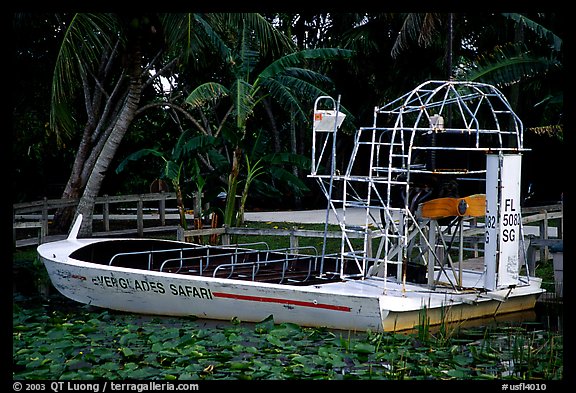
360,305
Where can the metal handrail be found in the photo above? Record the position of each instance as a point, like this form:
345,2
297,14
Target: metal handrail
256,266
149,253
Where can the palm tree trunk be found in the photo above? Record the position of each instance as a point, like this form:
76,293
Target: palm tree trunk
123,121
450,47
273,127
230,209
63,216
515,88
294,150
180,204
98,111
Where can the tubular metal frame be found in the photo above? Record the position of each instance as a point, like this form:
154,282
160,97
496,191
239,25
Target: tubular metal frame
479,120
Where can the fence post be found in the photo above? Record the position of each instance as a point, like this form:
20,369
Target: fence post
13,228
44,227
106,213
225,236
474,224
293,240
530,257
561,225
544,235
162,209
140,216
197,205
369,245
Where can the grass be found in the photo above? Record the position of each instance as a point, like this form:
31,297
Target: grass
279,242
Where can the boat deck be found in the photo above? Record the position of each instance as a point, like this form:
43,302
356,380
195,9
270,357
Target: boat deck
249,264
231,262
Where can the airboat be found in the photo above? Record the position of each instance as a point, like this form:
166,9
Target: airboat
438,165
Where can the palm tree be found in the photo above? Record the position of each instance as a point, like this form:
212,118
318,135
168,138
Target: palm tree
107,57
506,64
510,63
424,28
282,80
174,163
109,115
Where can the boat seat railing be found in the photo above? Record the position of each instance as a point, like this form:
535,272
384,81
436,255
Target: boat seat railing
245,245
242,262
202,259
236,256
206,260
282,274
242,257
150,254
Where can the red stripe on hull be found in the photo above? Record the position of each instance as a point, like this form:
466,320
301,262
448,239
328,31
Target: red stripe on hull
281,301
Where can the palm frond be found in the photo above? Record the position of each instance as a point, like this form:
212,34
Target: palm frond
307,75
187,34
420,27
172,170
428,28
298,58
552,99
298,160
248,56
268,37
285,95
243,96
136,156
287,177
267,189
208,32
506,66
210,91
178,30
85,39
555,130
199,143
360,40
217,159
288,91
542,32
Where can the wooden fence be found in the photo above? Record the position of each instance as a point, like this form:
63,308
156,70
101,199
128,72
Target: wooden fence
294,234
473,237
540,215
38,214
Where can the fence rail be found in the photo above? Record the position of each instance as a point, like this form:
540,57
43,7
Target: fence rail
38,214
473,236
294,234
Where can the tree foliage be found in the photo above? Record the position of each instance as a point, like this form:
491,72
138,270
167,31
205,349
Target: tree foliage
242,77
